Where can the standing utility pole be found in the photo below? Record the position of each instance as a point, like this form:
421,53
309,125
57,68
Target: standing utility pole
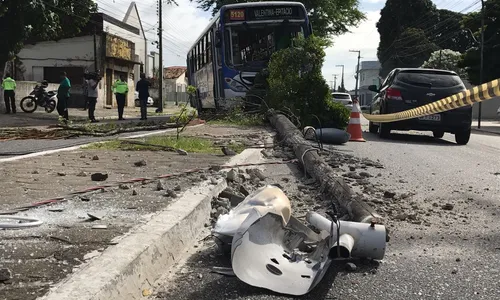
95,49
160,46
357,74
482,62
342,78
334,82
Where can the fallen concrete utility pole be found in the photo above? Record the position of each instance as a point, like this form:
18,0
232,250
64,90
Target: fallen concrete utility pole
318,169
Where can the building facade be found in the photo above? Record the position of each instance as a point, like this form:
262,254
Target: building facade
368,75
106,45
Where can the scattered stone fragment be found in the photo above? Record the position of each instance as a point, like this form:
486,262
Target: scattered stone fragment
96,215
61,174
204,177
244,191
159,186
5,274
35,172
352,168
171,193
200,276
388,194
63,164
365,174
100,227
401,217
82,174
232,175
134,193
85,198
352,175
267,154
99,177
95,157
56,209
146,293
458,259
182,152
123,187
83,156
228,151
140,163
177,188
447,206
454,271
351,267
213,181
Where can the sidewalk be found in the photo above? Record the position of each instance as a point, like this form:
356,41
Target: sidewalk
41,118
489,126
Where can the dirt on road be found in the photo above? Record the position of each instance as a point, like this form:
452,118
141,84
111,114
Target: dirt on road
77,229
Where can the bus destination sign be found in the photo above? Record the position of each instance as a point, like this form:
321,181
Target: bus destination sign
265,13
274,12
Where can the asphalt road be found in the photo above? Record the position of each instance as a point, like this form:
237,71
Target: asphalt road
438,254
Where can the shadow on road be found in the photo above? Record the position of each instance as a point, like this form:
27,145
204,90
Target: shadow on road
408,138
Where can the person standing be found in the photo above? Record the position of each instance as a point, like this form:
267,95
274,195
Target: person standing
63,96
9,94
143,88
121,90
92,97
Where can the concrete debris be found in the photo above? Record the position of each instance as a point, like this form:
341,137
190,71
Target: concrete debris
223,271
99,177
35,172
171,193
123,187
177,188
140,163
100,227
56,209
448,206
365,174
388,194
134,193
182,152
244,191
95,157
203,176
82,174
232,175
351,267
159,186
228,151
213,181
5,274
61,174
85,198
256,173
96,216
353,175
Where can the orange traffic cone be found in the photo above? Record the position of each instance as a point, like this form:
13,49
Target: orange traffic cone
354,127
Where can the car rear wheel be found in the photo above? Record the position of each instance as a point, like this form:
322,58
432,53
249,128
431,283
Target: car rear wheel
372,128
462,137
438,134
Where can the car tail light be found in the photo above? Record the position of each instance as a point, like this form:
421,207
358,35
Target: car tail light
393,94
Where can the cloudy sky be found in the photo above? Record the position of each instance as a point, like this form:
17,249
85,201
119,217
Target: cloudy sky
183,23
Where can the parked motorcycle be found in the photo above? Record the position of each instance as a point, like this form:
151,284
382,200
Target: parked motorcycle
39,97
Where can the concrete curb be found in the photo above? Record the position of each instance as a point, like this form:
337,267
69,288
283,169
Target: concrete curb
123,271
482,131
334,186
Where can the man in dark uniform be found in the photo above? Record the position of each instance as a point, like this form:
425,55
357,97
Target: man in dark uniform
143,88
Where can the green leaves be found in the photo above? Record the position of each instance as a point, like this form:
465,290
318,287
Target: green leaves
296,84
24,20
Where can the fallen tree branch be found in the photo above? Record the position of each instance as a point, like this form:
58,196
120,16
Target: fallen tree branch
316,167
97,133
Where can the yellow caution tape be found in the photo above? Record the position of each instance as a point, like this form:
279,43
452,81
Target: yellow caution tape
476,94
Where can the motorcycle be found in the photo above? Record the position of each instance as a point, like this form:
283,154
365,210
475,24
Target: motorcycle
39,97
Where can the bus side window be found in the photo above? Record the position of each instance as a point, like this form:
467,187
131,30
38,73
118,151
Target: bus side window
198,57
209,48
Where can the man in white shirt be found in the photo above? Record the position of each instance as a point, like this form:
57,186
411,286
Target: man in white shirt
92,93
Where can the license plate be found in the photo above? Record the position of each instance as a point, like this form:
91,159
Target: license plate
435,118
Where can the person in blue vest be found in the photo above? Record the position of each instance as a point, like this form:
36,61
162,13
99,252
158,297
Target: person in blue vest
143,88
9,94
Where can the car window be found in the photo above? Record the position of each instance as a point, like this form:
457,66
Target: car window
341,96
429,79
387,79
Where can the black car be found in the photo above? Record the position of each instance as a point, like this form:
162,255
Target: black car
409,88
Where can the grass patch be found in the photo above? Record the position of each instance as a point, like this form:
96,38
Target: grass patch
189,144
239,118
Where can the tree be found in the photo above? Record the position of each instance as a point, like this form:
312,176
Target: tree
341,89
328,17
472,60
21,20
415,51
445,59
449,33
396,19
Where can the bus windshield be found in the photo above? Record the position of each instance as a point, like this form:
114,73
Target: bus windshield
250,46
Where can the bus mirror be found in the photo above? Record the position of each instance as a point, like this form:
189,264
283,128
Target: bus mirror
217,39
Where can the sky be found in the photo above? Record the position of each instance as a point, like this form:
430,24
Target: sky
185,22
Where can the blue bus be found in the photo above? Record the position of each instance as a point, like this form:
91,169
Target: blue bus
236,45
